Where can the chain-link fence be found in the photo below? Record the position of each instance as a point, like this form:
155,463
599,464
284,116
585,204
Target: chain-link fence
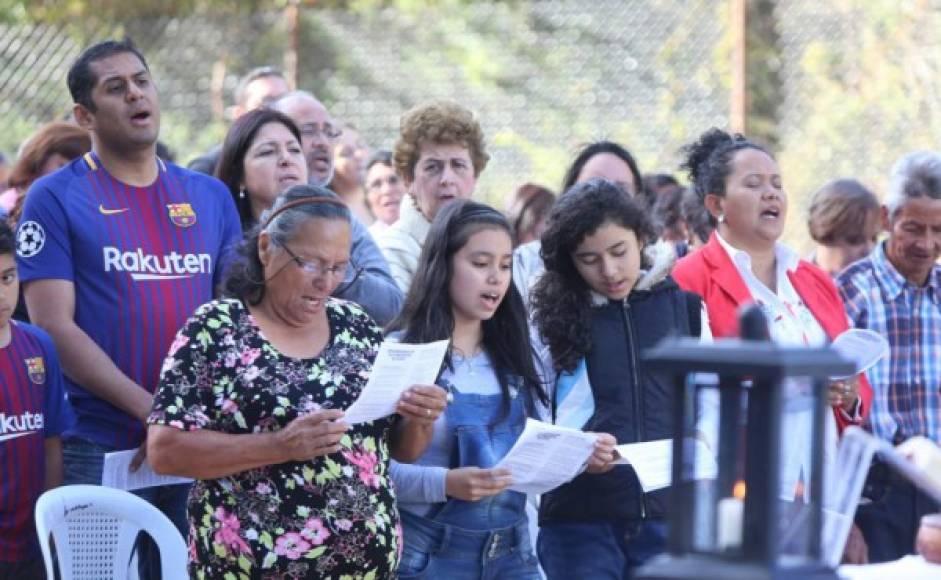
860,87
543,77
854,85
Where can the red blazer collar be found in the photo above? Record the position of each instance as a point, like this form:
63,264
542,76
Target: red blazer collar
828,313
726,277
724,272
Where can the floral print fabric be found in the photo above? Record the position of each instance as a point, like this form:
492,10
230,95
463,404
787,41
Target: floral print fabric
333,517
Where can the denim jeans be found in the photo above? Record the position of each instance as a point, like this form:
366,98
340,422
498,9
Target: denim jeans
435,550
474,540
599,551
83,462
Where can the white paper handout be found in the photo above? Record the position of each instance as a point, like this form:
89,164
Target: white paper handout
545,456
398,366
861,346
653,462
117,473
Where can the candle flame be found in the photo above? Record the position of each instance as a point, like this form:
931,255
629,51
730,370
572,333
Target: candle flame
799,491
739,490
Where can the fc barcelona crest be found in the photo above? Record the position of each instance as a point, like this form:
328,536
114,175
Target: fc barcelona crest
181,214
36,368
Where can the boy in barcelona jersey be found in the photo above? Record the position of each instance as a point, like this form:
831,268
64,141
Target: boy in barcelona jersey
33,414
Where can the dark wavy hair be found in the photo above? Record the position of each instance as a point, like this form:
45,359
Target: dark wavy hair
427,316
709,160
598,147
7,238
245,278
561,299
230,169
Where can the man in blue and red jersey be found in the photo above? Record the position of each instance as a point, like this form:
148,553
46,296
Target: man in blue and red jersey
116,250
33,414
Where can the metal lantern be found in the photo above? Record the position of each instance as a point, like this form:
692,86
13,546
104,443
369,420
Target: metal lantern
748,522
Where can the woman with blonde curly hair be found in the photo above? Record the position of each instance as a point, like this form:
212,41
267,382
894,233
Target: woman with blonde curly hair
439,154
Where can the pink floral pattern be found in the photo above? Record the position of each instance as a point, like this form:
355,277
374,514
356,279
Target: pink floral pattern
331,518
366,462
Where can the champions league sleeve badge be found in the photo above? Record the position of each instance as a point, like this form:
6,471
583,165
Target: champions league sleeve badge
30,238
181,214
36,368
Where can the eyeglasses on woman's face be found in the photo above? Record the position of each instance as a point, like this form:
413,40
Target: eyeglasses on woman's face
318,269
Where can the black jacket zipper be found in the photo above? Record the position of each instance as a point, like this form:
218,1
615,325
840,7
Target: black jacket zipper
635,392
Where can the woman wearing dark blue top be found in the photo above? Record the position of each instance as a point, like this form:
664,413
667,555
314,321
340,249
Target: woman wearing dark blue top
599,304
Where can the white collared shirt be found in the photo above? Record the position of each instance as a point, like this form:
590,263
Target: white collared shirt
790,322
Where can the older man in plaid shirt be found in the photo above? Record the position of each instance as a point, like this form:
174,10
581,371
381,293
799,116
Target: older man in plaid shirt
896,291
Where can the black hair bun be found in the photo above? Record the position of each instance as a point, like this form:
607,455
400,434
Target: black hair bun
698,153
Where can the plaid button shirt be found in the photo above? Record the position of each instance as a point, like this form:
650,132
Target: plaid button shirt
907,384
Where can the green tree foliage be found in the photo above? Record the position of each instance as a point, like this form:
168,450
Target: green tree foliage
865,91
836,89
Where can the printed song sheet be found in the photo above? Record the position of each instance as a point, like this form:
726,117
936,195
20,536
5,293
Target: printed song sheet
862,346
653,462
545,456
117,473
398,366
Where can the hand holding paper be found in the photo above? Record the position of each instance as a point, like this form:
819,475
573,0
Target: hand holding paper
861,346
653,462
474,483
398,366
546,456
604,455
422,403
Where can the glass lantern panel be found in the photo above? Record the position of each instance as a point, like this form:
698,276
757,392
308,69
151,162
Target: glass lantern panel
797,495
717,515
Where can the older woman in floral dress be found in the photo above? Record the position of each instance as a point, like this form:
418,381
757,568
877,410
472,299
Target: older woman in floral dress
251,404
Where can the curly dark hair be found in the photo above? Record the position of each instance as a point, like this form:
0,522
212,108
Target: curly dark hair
427,314
561,298
709,160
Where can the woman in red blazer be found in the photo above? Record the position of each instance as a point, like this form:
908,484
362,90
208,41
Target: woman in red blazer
740,185
743,262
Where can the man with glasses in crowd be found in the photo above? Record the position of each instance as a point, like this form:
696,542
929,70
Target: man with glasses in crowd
370,284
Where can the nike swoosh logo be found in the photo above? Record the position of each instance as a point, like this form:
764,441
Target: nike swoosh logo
105,211
15,435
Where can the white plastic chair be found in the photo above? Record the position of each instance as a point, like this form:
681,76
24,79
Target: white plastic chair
95,528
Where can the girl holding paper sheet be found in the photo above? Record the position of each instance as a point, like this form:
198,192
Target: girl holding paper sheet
458,518
600,302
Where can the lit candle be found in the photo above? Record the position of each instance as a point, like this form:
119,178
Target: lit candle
730,515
